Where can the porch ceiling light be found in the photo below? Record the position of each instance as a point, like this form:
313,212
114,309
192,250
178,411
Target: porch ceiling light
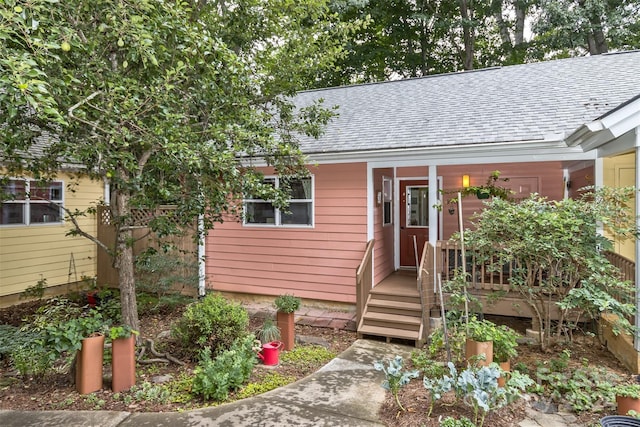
465,181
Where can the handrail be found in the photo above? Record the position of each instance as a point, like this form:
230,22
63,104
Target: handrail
364,280
426,297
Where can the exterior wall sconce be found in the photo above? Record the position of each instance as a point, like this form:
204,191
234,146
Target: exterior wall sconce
466,181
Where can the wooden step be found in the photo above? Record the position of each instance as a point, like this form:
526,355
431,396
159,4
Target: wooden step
401,305
396,292
393,318
389,332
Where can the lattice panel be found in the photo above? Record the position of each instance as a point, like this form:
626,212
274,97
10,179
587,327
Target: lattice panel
141,217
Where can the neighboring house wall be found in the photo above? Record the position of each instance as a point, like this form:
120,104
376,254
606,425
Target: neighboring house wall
619,171
316,263
29,253
384,249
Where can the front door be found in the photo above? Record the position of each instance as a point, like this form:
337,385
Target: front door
414,220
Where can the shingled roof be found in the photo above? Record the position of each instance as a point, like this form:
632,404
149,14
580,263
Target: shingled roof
543,101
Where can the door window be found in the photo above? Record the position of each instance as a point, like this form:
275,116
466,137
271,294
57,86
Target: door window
417,206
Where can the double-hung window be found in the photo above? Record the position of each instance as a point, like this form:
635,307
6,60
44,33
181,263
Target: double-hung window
29,202
298,213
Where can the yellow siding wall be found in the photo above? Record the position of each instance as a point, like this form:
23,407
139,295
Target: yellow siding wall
619,171
34,252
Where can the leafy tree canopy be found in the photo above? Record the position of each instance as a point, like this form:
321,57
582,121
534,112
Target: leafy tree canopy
161,99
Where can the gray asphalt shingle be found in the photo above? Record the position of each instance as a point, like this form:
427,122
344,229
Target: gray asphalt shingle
544,100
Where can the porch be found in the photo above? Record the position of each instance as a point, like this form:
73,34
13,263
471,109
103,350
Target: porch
399,306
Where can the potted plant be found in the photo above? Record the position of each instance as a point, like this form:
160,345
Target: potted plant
123,357
479,342
286,305
89,330
627,398
504,349
489,189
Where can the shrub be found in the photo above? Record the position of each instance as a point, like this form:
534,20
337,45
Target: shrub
212,322
214,378
287,303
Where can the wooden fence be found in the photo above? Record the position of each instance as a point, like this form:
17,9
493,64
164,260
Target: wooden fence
183,246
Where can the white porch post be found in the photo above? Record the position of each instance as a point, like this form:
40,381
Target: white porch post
636,341
370,215
434,213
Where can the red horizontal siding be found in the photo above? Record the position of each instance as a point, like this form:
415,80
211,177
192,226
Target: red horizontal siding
315,263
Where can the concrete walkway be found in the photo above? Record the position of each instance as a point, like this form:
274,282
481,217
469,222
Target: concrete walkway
345,392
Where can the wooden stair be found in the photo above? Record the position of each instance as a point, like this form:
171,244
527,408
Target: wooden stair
393,313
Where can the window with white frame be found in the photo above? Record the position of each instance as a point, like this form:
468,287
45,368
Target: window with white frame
298,213
29,202
387,197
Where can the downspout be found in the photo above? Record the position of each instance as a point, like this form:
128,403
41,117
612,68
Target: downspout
201,257
636,341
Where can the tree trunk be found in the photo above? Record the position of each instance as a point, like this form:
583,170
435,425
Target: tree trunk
520,17
125,263
467,34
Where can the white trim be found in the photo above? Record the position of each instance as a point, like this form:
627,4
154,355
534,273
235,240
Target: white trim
277,224
458,154
201,257
598,132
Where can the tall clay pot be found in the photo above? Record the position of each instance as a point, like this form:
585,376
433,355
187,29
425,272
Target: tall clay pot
123,363
89,365
476,348
626,404
506,367
285,322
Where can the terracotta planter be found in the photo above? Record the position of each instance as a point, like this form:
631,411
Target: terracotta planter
506,367
287,329
89,365
123,363
476,348
626,404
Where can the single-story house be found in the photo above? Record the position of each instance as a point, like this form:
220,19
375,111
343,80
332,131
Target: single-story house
384,166
385,169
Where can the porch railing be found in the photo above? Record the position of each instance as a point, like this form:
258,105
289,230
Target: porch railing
364,279
628,272
425,286
482,276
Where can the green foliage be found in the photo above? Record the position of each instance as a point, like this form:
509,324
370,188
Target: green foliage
429,367
161,273
269,382
212,322
489,189
584,388
456,335
268,332
307,356
121,331
395,376
552,247
83,71
478,387
215,378
54,332
36,291
627,390
287,303
504,343
164,304
461,422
